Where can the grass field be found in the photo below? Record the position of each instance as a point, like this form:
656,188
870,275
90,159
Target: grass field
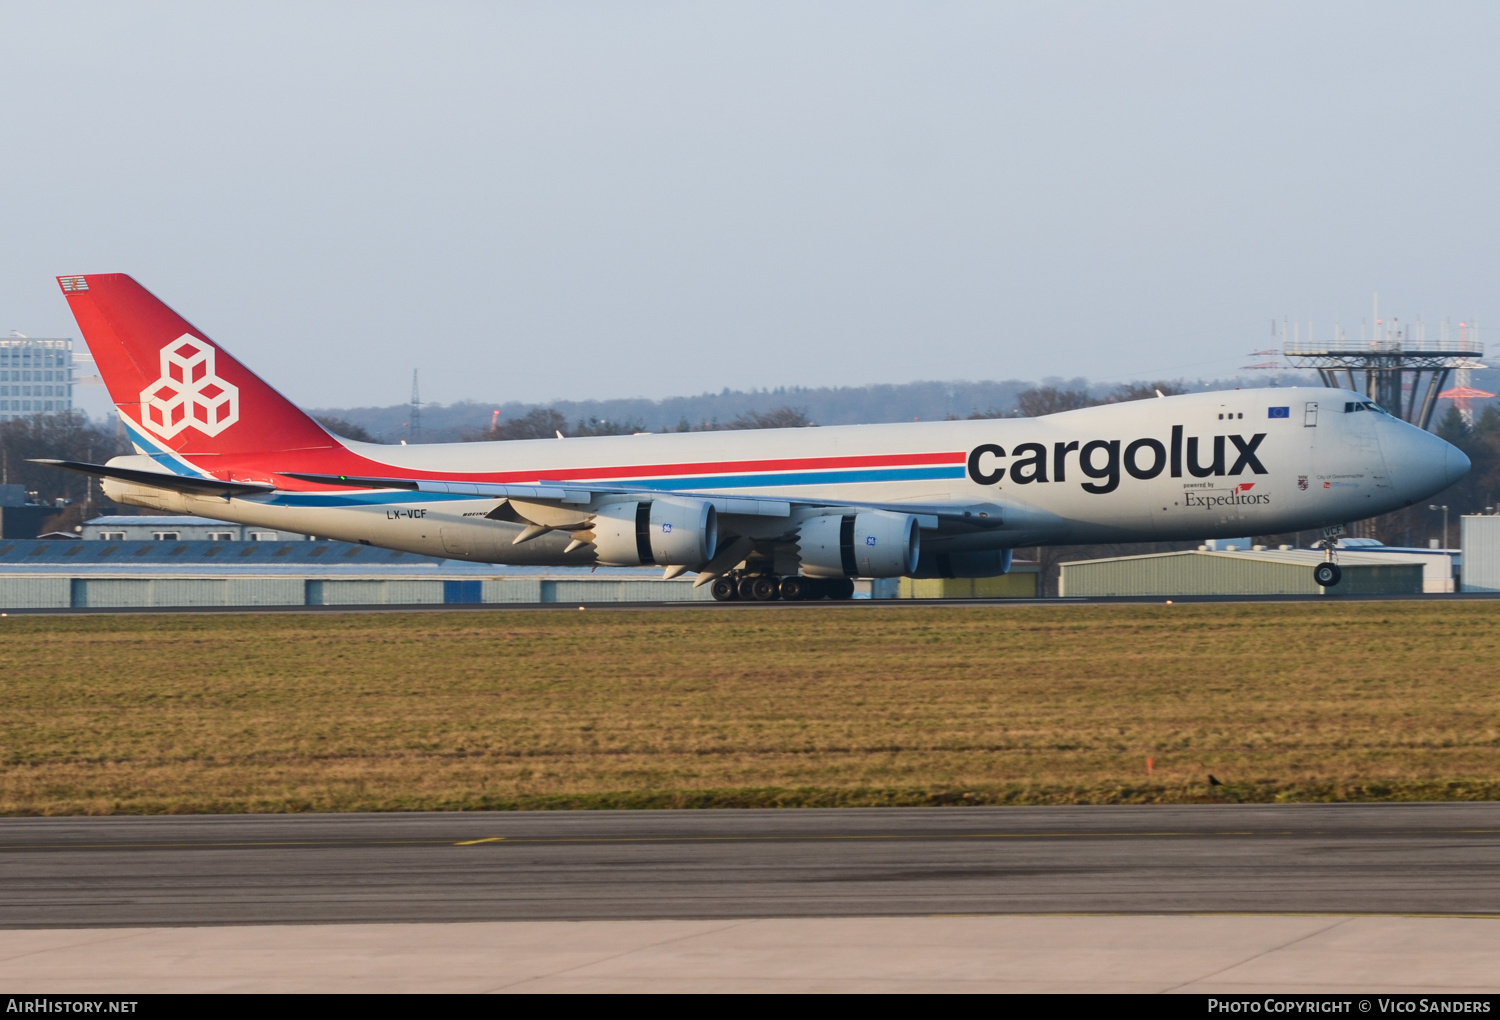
855,705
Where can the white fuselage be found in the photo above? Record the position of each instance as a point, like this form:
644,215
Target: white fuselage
1242,462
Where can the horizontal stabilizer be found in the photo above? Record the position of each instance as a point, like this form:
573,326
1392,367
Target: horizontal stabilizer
162,480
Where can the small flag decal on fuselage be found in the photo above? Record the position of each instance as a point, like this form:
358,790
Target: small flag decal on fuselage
1280,412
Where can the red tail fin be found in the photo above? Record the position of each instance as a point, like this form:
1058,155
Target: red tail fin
184,391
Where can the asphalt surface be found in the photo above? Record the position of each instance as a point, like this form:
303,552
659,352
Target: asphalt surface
303,869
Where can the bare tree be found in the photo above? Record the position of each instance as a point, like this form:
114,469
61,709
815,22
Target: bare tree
783,417
1042,400
346,429
1145,391
605,427
63,435
541,423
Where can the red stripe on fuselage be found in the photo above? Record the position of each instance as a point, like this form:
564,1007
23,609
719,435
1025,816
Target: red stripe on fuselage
346,462
734,467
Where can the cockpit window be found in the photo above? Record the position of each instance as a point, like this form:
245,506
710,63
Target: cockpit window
1363,405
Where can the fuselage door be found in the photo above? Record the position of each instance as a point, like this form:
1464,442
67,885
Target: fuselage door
1310,414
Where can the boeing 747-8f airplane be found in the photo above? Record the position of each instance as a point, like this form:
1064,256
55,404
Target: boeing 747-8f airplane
786,513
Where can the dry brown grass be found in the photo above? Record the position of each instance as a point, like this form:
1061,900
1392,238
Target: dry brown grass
858,705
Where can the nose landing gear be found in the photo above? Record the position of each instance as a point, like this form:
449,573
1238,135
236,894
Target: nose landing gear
1327,574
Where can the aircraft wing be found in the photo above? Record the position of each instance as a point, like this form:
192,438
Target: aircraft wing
930,518
547,492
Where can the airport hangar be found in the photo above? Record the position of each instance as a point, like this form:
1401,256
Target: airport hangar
179,561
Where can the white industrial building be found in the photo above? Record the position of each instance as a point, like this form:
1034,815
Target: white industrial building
178,528
1255,571
1480,539
36,375
41,574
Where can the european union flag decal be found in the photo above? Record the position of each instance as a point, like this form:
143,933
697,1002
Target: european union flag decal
1280,412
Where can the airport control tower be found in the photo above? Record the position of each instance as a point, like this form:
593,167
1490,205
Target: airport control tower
1399,366
35,375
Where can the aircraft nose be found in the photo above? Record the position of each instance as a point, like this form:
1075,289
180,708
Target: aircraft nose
1423,464
1455,464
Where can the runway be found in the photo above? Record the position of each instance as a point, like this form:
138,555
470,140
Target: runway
321,869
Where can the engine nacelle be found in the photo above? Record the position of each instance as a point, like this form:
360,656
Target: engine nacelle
984,563
876,543
665,530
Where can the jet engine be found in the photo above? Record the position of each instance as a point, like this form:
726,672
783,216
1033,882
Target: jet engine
665,530
876,543
980,563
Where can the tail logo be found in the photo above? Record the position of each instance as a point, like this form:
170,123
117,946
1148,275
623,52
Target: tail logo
189,393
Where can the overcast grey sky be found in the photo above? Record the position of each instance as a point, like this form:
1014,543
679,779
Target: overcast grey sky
576,200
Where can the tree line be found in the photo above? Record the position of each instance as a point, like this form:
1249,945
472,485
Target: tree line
61,435
549,423
1040,400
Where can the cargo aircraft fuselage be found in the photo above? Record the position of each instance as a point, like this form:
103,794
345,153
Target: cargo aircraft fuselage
790,512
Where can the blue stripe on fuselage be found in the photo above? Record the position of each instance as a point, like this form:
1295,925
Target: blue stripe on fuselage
695,482
835,477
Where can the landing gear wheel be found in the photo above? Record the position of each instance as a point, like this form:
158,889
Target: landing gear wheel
1327,574
841,589
725,590
747,589
795,589
764,588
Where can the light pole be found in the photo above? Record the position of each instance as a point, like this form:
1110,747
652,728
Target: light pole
1444,509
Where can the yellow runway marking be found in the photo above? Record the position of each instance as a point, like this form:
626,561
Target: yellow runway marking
872,837
796,838
790,838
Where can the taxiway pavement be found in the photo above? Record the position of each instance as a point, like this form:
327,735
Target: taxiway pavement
612,865
1263,953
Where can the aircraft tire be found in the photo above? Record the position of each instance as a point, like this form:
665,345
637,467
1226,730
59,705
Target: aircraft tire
842,589
765,588
747,589
795,589
1327,574
725,590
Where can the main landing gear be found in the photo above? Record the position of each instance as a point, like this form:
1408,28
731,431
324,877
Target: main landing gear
768,588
